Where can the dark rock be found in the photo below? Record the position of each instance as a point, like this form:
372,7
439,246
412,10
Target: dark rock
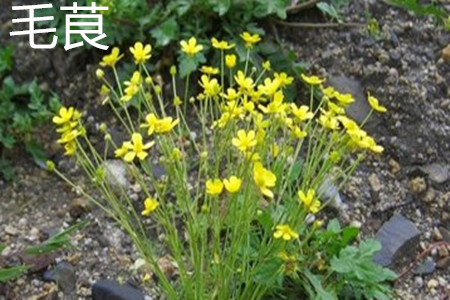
398,237
64,276
427,267
111,290
359,109
443,263
436,172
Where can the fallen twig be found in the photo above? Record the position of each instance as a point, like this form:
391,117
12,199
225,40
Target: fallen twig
317,25
420,257
302,6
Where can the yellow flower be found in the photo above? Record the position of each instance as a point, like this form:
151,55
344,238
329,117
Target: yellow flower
245,83
375,104
232,184
211,86
68,136
111,59
335,108
70,148
250,39
264,179
222,45
150,205
329,92
230,61
120,152
298,132
276,106
65,116
214,187
270,87
285,232
163,125
312,80
136,79
231,94
284,79
244,141
327,120
301,113
344,99
309,200
141,54
348,123
136,148
274,150
209,70
191,48
266,65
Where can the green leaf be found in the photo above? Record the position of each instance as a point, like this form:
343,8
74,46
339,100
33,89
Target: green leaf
221,6
36,151
333,226
6,59
8,274
349,234
166,32
266,8
321,293
188,64
269,272
57,241
328,9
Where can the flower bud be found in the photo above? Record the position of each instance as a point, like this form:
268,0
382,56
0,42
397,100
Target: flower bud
100,74
148,80
50,166
173,70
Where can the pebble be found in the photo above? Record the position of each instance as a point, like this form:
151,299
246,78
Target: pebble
443,263
395,166
417,185
418,282
446,54
374,182
437,234
9,229
443,251
432,284
436,172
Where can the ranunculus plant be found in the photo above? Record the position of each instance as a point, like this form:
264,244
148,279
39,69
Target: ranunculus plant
240,205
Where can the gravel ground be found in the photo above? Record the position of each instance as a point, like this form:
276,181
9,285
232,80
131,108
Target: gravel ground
403,68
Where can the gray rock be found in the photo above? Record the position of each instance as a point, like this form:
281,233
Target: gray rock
437,172
111,290
329,193
64,276
359,109
117,175
427,267
398,237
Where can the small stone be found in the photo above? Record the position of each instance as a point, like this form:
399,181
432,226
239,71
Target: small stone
430,195
395,166
427,267
9,229
418,282
398,237
443,251
417,185
437,172
432,284
117,175
374,182
443,263
111,290
446,53
78,206
437,234
330,194
64,276
166,266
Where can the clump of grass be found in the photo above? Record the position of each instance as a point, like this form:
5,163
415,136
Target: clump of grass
236,207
